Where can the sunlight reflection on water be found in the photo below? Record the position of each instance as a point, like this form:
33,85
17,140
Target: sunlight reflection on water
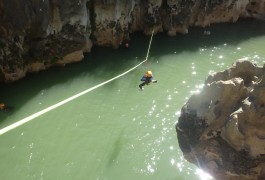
149,147
203,175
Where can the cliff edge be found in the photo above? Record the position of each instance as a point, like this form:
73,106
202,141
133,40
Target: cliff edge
222,129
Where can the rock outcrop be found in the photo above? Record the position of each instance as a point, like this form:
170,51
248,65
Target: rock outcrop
37,34
222,129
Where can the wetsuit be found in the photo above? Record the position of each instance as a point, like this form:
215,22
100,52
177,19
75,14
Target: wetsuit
146,80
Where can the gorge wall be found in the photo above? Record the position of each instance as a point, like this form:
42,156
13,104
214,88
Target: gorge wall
37,34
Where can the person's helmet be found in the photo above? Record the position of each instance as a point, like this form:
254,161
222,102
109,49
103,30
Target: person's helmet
148,73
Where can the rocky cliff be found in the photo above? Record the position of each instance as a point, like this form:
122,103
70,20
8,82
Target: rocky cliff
222,129
36,34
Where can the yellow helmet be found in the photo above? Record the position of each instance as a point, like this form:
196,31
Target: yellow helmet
148,73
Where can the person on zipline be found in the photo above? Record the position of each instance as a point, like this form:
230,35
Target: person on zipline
147,78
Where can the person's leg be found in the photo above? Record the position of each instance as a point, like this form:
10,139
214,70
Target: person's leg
141,85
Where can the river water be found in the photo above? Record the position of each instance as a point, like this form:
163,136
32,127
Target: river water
116,131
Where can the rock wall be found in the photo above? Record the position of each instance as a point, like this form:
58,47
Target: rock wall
37,34
222,129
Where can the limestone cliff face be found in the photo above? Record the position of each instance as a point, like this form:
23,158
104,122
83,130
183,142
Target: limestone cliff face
222,129
37,34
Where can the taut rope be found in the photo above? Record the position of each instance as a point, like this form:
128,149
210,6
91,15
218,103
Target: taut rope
37,114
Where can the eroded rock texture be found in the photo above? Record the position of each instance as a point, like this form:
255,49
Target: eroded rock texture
222,129
36,34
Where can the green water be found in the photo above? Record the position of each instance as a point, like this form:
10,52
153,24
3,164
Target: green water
117,132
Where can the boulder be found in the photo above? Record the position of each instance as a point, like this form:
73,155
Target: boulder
222,129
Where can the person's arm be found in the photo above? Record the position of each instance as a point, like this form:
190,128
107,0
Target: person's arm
143,78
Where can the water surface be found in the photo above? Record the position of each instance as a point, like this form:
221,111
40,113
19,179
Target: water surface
117,132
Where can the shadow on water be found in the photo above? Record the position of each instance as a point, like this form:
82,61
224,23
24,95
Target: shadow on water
102,64
115,150
105,63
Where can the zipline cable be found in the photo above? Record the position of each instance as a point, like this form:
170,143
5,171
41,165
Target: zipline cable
37,114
